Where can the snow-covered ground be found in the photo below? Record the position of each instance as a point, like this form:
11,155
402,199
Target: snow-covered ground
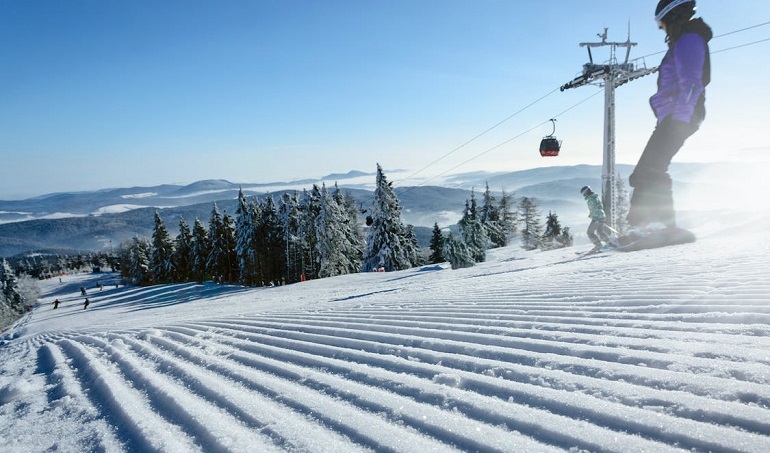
658,350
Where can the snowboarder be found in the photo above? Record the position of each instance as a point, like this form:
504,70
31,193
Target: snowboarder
86,303
82,290
679,106
56,304
598,230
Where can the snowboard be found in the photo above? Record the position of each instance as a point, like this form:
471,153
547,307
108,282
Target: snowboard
655,239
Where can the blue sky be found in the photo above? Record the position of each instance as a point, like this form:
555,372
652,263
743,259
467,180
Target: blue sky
98,94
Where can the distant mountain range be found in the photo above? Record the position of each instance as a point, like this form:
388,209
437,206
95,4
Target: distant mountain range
99,220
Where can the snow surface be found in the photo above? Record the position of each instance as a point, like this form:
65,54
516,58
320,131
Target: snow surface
659,350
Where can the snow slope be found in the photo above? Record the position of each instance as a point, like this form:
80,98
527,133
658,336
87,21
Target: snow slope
659,350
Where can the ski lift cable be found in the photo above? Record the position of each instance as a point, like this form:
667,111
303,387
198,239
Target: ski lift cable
741,30
507,141
714,38
740,45
480,135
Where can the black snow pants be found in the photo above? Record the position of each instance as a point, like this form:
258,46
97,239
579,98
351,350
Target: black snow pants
652,199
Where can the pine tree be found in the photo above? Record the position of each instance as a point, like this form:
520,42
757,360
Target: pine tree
412,246
201,251
437,246
331,242
386,244
474,234
508,218
566,239
309,211
183,253
222,260
355,243
457,253
216,262
554,233
135,261
161,259
270,240
10,292
231,259
7,315
247,218
530,217
490,218
289,212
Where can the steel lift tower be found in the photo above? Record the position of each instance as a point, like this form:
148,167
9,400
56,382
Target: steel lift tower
610,75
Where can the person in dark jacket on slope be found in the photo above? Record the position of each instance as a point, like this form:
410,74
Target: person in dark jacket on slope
679,106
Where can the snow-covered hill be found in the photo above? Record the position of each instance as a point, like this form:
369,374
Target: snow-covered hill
659,350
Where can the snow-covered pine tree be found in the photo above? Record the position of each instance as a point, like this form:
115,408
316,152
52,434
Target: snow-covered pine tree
566,238
161,258
331,242
10,291
135,261
355,244
246,220
309,210
490,218
228,230
183,254
457,253
270,243
413,246
532,225
288,213
18,293
386,243
201,251
216,262
553,236
474,233
437,246
7,316
507,213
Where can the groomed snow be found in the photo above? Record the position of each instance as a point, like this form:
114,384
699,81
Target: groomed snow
658,350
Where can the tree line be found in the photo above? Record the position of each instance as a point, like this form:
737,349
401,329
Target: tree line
318,233
18,293
495,224
314,234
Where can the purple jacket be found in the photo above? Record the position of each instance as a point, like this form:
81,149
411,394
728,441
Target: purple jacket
683,75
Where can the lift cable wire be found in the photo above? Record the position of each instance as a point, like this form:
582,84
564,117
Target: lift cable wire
481,134
717,37
740,45
505,142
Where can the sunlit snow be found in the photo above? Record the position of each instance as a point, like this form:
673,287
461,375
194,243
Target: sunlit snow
658,350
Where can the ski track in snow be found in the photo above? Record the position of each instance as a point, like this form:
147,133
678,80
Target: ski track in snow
661,350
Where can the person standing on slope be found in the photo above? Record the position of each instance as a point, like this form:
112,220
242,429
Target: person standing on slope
598,229
679,106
